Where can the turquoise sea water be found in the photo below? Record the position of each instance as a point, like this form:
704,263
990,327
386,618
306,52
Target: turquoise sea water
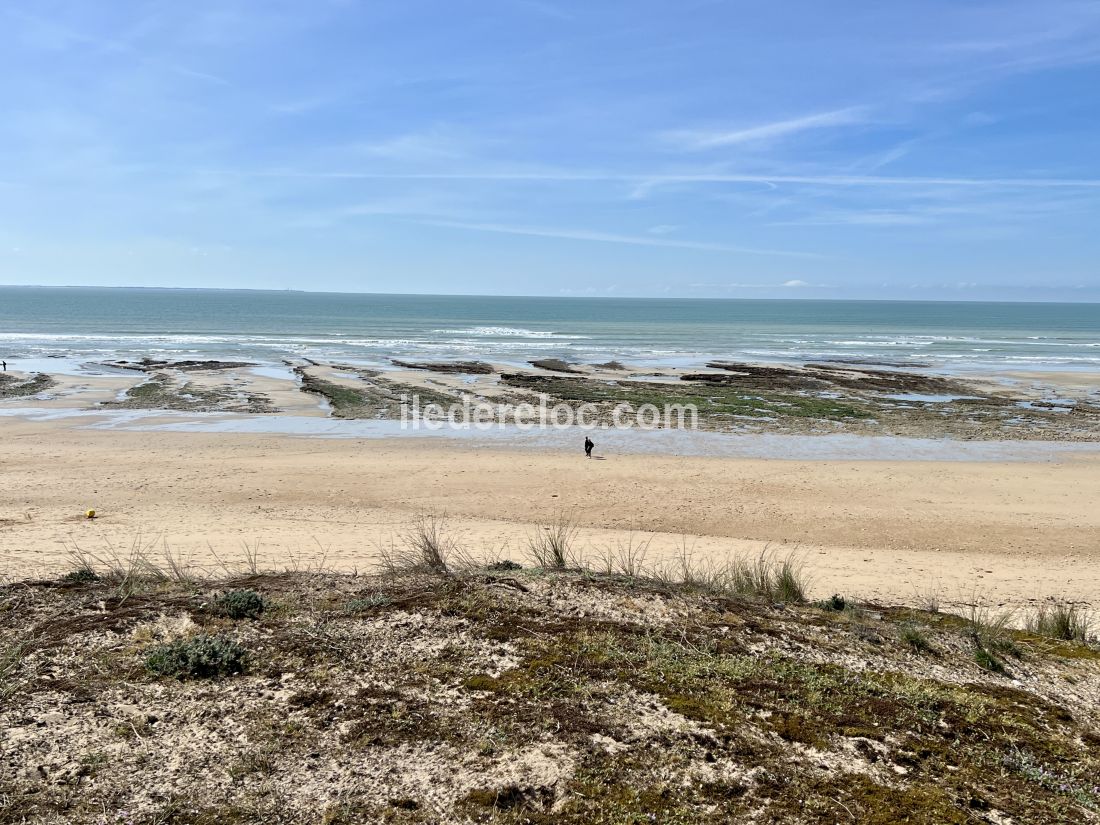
90,324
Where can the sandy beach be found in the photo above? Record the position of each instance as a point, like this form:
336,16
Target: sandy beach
897,531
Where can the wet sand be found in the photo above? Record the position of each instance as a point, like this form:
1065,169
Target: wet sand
888,530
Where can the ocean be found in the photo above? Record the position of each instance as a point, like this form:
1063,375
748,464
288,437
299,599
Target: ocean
77,325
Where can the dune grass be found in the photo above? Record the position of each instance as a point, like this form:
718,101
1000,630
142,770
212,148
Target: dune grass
551,545
426,546
1062,620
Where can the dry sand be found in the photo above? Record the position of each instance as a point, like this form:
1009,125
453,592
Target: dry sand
1010,532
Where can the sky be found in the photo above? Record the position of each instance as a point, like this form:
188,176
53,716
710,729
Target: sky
911,149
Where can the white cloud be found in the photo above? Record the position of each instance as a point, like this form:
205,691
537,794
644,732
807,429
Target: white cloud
702,139
874,217
50,34
583,176
792,284
418,147
877,161
292,107
608,237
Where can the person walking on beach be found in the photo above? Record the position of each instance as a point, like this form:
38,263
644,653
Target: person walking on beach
5,363
588,445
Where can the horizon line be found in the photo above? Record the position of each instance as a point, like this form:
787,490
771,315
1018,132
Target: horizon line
552,297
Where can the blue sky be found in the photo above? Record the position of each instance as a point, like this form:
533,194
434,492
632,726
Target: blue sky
895,149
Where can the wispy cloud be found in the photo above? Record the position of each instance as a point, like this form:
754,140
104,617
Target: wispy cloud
64,36
876,217
660,178
308,104
418,147
985,211
608,237
1041,30
1012,39
880,159
696,140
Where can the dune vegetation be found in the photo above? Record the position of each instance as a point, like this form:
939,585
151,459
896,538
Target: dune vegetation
574,691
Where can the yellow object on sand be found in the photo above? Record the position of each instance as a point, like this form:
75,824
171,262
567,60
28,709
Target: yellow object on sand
90,514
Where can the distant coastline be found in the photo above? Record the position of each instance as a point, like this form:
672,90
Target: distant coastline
558,296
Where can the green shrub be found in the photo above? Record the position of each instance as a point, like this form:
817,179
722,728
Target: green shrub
367,603
240,604
835,602
82,575
986,660
991,634
201,657
911,635
503,566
